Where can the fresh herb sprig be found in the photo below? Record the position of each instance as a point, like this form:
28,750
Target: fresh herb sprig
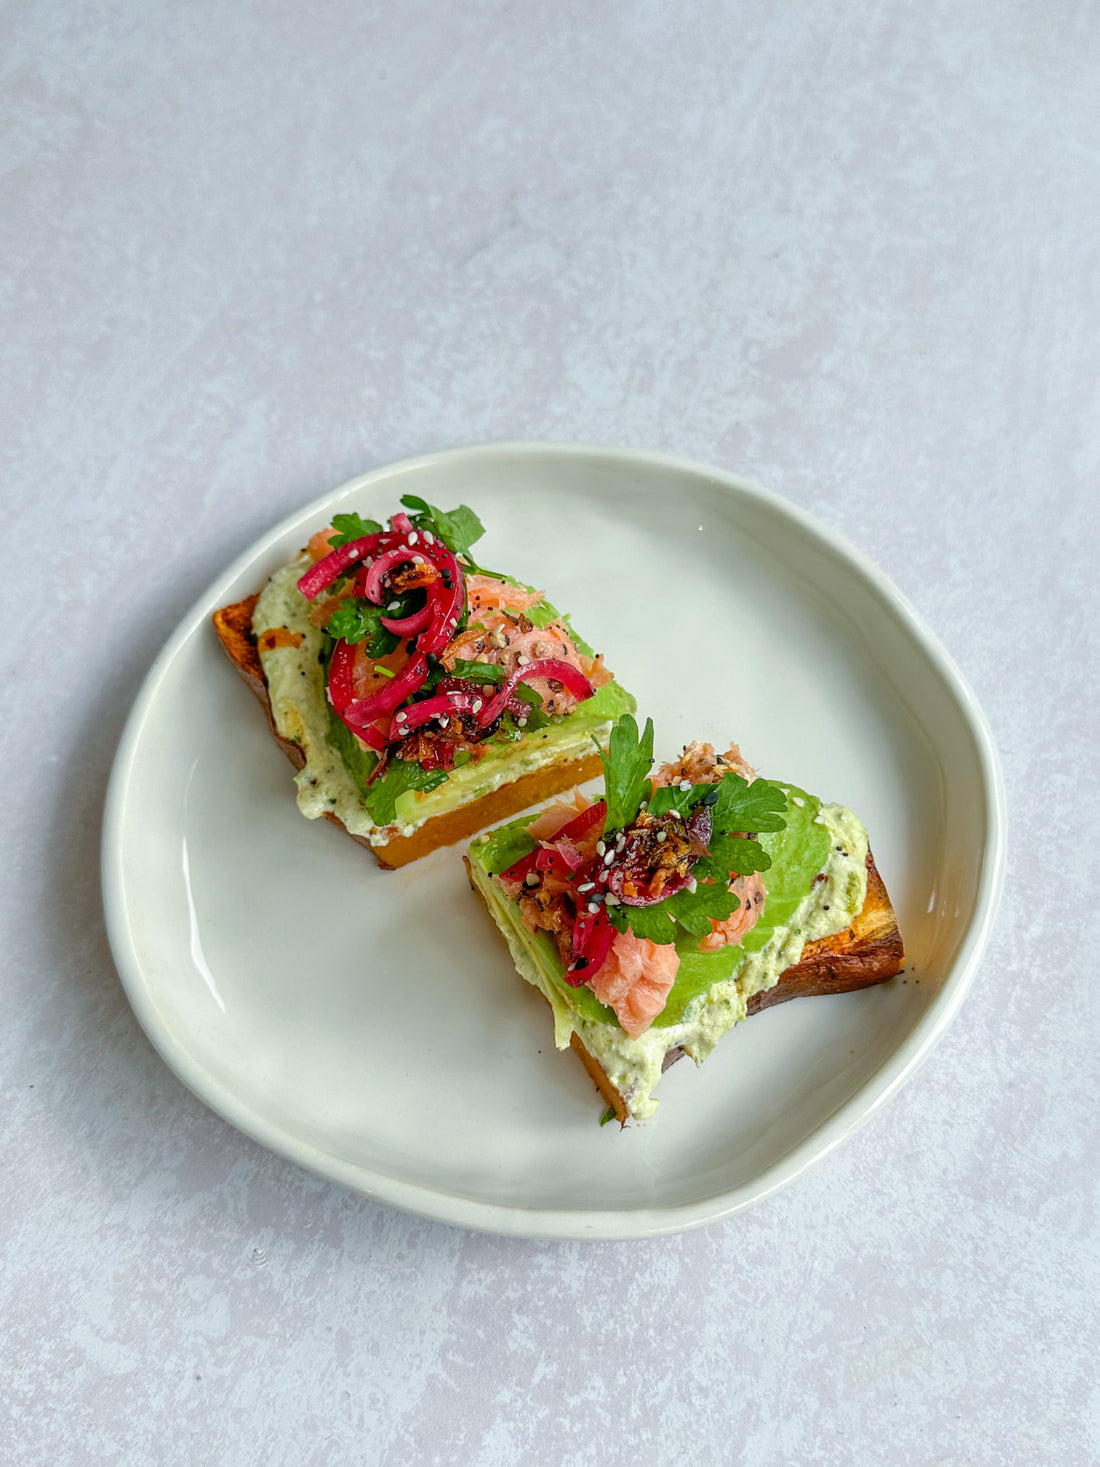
359,620
738,810
626,767
351,527
459,528
687,911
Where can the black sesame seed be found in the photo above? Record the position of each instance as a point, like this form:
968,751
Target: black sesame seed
711,797
579,964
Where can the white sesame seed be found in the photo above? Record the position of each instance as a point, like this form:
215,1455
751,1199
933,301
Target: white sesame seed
521,722
593,906
662,835
476,706
611,901
413,538
685,785
620,843
429,538
401,717
586,886
394,606
443,720
600,848
607,860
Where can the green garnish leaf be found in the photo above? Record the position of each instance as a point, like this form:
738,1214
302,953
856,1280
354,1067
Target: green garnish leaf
672,797
748,807
399,777
457,528
608,1115
479,672
626,767
351,527
687,911
732,853
359,620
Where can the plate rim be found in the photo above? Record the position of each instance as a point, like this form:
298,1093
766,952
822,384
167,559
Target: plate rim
569,1223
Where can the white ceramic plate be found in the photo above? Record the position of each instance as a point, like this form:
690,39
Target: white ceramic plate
370,1025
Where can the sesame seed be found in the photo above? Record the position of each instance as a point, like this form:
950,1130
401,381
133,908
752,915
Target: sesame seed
662,835
620,843
607,860
586,886
394,606
521,722
600,848
429,538
476,706
443,720
611,901
413,538
401,717
593,906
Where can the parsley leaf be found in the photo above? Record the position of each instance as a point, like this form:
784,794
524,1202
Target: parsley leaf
748,807
358,620
351,527
478,672
626,768
458,529
732,853
672,797
692,911
399,777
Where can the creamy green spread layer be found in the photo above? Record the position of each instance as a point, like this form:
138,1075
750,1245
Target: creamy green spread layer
296,685
712,990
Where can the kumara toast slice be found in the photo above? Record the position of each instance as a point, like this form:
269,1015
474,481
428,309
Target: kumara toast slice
825,925
319,648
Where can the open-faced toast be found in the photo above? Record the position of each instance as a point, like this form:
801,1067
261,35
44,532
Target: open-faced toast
420,699
805,911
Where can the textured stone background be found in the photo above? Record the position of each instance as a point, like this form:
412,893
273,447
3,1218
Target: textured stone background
850,251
